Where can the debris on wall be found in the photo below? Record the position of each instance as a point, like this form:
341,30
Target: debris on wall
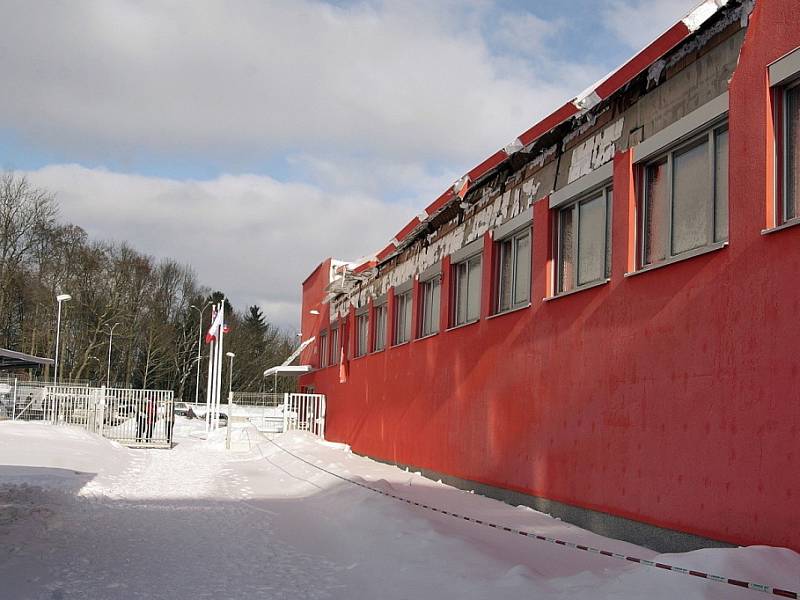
594,152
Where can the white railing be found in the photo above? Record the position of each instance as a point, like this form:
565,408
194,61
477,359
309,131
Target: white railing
304,412
131,417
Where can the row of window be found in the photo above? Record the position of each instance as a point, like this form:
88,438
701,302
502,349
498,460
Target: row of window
682,208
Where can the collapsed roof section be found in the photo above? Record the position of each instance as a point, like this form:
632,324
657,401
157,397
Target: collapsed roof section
590,127
529,141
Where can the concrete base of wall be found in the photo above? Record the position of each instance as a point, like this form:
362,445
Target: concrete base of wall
643,534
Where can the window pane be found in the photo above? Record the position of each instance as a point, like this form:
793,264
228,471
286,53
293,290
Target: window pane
436,303
461,293
792,159
474,299
656,205
334,358
566,274
692,193
591,240
362,326
721,187
407,318
609,208
522,284
506,269
380,327
430,308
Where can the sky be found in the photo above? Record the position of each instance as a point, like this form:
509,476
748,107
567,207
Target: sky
253,139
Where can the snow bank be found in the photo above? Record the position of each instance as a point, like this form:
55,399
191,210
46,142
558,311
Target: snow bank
49,456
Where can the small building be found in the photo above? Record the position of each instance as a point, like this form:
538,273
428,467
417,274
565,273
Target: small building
602,319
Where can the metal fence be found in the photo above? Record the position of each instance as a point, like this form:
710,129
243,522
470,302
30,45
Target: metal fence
132,417
139,417
304,412
264,410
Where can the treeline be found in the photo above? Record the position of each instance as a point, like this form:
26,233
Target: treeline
155,344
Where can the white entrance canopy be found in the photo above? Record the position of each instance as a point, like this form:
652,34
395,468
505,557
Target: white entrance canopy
290,370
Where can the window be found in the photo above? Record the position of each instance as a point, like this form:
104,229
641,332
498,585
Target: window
789,152
323,349
467,290
430,304
584,241
402,318
685,198
514,271
334,346
379,335
362,329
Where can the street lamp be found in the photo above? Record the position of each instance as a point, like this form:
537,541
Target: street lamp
199,347
110,340
60,298
231,355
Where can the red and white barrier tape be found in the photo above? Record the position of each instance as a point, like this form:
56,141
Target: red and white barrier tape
758,587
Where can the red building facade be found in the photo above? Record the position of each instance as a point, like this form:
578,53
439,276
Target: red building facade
649,371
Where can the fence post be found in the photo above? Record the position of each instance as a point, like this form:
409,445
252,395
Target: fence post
102,403
230,422
285,411
322,417
14,402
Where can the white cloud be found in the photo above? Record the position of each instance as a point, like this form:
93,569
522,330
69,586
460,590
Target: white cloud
409,80
639,22
251,236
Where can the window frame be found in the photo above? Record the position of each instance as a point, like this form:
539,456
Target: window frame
334,343
707,134
408,303
426,301
782,166
323,349
514,237
377,320
454,322
362,322
606,192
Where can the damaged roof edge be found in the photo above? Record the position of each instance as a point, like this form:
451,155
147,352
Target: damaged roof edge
586,100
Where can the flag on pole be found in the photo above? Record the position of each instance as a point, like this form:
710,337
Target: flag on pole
216,324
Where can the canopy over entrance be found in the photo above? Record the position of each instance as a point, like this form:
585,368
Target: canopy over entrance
10,359
290,370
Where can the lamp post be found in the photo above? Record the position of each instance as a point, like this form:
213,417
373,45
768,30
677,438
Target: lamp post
230,355
199,347
110,340
60,298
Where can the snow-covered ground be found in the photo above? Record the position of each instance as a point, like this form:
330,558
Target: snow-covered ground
84,518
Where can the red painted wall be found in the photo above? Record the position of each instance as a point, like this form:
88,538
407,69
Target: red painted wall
670,397
311,325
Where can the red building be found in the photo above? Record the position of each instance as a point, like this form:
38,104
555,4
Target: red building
602,320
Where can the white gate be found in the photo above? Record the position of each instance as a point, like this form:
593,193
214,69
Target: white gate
139,417
131,417
304,412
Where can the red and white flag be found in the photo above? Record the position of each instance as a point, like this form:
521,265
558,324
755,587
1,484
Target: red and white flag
216,323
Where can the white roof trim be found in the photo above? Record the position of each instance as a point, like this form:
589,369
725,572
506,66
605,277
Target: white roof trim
287,370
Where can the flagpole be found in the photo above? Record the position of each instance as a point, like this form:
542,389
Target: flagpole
220,358
211,362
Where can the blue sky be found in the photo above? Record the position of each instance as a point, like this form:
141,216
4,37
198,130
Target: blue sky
319,126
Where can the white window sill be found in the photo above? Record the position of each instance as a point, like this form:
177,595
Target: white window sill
467,324
401,344
679,258
509,311
426,337
378,351
584,287
785,225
